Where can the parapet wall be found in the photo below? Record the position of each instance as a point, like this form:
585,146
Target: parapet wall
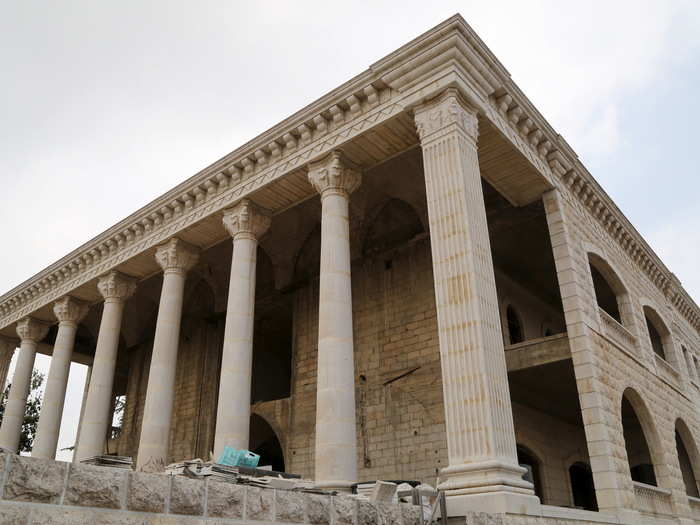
37,491
44,492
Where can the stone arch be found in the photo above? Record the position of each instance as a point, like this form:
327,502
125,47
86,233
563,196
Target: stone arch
199,299
528,459
581,485
265,440
611,293
308,259
688,458
641,439
659,334
391,224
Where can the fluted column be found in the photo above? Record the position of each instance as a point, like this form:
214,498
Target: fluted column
246,224
69,313
7,349
116,288
30,332
336,441
483,471
176,258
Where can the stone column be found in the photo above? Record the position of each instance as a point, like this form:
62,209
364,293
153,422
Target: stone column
30,332
176,258
336,441
116,289
7,349
69,313
483,472
246,224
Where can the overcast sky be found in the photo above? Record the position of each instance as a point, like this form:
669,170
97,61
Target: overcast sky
106,105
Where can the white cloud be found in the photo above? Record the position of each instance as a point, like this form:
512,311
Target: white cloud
677,242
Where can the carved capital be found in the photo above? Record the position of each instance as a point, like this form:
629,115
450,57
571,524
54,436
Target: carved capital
334,174
70,310
245,219
177,256
29,329
116,286
449,110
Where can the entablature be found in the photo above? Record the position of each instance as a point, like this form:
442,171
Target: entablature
270,169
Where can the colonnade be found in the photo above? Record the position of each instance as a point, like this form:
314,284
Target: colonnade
479,425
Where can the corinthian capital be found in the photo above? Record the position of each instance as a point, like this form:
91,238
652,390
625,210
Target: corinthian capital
116,286
334,173
448,111
176,255
70,310
29,329
245,219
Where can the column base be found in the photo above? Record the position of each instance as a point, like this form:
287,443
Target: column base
488,486
339,485
494,503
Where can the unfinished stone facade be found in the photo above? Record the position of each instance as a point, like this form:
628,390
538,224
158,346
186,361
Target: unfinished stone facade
413,278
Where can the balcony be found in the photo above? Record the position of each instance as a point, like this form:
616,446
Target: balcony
615,332
653,500
537,352
694,504
667,372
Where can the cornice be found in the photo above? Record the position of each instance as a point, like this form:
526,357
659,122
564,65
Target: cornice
374,96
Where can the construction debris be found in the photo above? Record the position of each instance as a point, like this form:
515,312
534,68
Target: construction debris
124,462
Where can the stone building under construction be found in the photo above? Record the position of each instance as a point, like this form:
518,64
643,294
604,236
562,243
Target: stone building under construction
412,278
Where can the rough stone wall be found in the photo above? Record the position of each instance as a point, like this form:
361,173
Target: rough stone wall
400,421
45,492
604,370
196,390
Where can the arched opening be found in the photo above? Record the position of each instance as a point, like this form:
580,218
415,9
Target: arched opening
396,223
658,333
527,460
607,286
690,365
308,259
687,458
515,327
636,445
582,487
272,336
265,443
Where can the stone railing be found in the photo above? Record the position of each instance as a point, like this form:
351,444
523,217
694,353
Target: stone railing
694,504
652,500
616,332
667,372
38,491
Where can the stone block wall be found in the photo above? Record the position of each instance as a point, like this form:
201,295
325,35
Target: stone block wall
605,369
400,414
37,491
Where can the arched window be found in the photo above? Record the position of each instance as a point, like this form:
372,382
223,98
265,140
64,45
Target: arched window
582,488
605,295
689,363
685,460
515,327
659,335
527,459
638,453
